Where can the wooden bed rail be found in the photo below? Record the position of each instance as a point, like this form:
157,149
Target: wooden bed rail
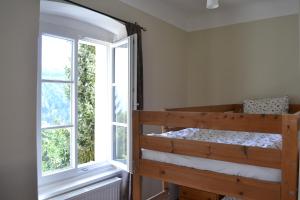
285,159
214,120
225,152
237,108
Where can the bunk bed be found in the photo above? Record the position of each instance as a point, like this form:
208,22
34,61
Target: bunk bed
283,160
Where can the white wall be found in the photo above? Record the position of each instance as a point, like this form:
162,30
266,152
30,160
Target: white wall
18,66
248,60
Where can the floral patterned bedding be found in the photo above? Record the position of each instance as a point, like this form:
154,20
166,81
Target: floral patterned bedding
227,137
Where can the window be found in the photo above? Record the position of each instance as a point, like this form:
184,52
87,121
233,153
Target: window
85,102
120,102
57,103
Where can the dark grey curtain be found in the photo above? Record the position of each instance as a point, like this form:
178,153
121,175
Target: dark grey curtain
136,29
126,186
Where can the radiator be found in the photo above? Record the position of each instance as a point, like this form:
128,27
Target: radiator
105,190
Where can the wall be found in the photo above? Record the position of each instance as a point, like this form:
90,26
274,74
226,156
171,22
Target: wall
18,56
248,60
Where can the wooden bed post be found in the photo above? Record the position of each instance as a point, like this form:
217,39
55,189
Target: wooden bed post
137,179
289,164
165,186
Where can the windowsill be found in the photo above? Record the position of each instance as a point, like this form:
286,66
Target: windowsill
57,188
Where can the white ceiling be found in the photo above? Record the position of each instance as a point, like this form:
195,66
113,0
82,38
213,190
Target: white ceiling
192,15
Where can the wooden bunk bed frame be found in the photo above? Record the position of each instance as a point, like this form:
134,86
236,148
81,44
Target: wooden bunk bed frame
222,117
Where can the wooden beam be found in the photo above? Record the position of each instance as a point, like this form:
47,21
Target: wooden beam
238,108
217,121
289,184
293,108
215,108
137,187
264,157
240,187
136,131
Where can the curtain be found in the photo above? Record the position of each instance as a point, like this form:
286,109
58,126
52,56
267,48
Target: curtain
136,29
126,186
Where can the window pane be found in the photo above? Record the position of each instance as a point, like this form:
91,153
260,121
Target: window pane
55,149
56,58
56,104
120,144
120,104
120,69
86,102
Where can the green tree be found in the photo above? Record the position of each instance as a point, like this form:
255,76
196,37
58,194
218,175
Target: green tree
56,149
56,142
86,102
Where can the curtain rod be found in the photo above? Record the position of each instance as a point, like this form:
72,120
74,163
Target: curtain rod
102,13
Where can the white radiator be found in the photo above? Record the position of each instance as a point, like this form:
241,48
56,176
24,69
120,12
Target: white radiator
105,190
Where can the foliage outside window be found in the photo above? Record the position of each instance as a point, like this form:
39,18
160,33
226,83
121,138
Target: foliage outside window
56,110
68,103
86,103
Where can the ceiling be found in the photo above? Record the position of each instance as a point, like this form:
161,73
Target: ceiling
191,15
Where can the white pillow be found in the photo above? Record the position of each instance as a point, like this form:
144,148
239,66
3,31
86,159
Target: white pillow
278,105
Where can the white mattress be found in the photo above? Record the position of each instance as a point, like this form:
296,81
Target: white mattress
227,137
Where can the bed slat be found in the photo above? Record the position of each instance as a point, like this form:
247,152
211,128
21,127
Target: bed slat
226,152
216,108
217,121
240,187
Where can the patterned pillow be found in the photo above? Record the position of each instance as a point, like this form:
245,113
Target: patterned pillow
279,105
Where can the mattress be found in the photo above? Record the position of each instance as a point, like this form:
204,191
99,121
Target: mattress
225,137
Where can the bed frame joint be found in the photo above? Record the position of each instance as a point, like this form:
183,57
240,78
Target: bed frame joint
245,150
172,146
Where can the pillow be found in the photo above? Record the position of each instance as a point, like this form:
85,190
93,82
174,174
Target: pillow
278,105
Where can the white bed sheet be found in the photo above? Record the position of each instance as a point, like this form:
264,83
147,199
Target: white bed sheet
226,137
250,171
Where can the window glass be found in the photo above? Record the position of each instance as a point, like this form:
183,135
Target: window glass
120,69
86,102
55,149
120,144
56,58
120,87
120,104
56,104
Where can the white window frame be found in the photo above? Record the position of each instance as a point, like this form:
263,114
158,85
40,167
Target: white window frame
76,169
113,86
132,99
76,36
